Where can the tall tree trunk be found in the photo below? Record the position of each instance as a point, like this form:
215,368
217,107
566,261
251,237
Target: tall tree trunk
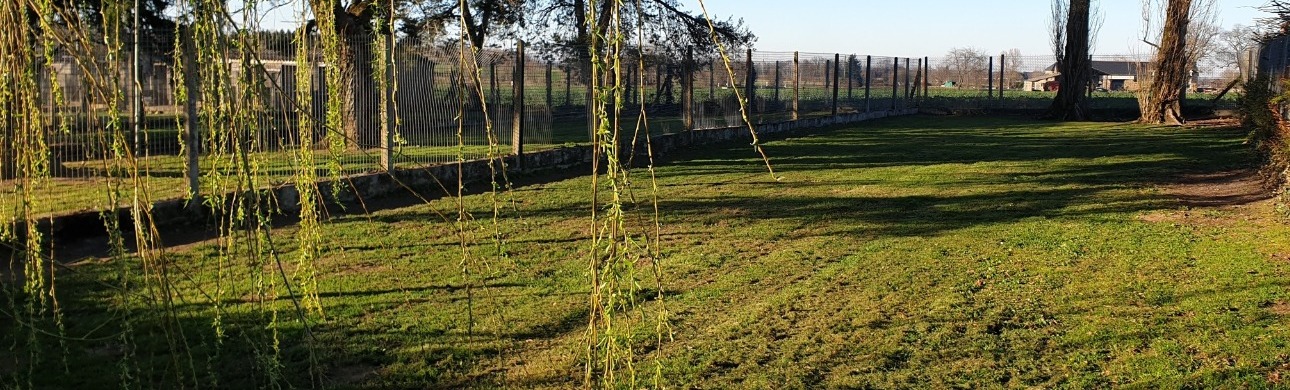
1162,101
1074,67
358,94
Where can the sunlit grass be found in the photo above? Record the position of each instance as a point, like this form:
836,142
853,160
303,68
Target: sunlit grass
923,252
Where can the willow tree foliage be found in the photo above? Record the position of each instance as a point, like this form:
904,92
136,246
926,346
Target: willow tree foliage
214,49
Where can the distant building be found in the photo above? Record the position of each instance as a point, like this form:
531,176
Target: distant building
1108,75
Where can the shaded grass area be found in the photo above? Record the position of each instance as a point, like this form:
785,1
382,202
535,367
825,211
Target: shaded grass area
928,252
164,175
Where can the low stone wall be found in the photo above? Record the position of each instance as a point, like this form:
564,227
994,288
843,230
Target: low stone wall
431,181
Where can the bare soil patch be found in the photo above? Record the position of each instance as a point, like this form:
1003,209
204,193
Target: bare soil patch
1281,308
1219,189
1245,192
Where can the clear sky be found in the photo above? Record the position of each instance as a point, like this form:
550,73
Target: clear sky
917,28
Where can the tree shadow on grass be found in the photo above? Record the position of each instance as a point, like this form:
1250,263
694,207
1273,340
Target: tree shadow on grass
925,141
1055,177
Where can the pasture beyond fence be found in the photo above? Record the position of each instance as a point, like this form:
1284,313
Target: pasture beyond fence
530,101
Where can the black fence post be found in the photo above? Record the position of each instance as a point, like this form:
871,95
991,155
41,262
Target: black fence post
492,83
712,81
1003,69
907,88
895,74
687,89
915,90
851,64
927,72
989,77
868,80
797,86
549,99
836,66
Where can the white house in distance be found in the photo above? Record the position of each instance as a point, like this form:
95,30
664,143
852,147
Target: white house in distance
1108,75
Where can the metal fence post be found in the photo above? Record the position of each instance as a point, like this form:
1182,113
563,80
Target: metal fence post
918,83
712,81
687,89
517,107
836,57
895,74
927,75
778,83
828,68
797,86
549,71
192,171
658,82
387,131
989,79
492,83
868,80
851,64
1003,69
907,88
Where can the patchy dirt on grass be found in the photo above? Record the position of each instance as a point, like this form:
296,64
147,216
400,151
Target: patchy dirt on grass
1281,308
1243,191
1219,189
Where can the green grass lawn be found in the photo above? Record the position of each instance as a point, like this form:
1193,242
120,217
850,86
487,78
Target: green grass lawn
78,185
916,252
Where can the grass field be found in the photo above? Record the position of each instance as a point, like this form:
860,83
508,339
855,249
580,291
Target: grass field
923,252
78,185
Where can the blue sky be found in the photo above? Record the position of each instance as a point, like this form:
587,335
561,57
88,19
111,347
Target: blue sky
918,28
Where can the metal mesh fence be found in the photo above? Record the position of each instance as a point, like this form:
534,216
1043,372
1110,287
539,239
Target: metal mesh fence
434,98
1031,83
442,111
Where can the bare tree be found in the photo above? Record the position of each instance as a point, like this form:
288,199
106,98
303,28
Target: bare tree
1201,39
1095,21
1072,61
1057,27
1011,66
1231,43
966,66
1161,102
1279,23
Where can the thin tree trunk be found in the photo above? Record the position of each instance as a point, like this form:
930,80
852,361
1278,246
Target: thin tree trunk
1071,103
1162,101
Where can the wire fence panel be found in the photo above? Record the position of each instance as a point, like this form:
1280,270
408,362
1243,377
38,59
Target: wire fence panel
1031,82
409,105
